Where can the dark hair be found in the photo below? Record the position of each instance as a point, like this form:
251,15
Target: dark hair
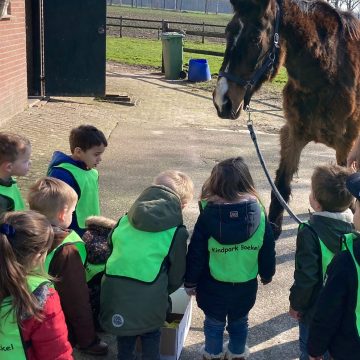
33,235
229,179
11,146
328,184
85,137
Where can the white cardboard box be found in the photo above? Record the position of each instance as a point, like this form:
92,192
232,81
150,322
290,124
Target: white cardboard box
172,339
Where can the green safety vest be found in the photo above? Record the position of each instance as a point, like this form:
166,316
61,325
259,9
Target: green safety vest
11,345
74,239
326,254
348,241
88,182
202,205
91,270
137,254
13,193
236,263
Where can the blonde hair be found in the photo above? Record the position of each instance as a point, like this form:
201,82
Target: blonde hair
12,146
29,236
179,182
49,196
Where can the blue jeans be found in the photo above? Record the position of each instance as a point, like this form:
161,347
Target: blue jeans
303,340
150,345
214,334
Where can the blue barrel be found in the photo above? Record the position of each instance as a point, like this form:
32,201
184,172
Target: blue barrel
199,70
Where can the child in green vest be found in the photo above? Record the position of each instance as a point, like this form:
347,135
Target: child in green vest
231,245
65,261
317,243
146,265
32,324
87,145
15,152
336,323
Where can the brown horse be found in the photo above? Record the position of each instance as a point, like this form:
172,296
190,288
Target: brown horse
320,48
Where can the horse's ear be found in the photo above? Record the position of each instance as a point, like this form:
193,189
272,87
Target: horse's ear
246,7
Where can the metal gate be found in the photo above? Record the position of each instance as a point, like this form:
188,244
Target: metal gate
69,39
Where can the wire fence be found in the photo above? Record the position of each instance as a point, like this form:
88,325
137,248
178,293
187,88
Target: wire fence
206,6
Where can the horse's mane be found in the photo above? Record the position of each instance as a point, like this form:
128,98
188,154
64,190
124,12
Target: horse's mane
348,23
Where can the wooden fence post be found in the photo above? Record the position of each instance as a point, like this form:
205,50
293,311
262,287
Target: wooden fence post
165,28
203,37
121,21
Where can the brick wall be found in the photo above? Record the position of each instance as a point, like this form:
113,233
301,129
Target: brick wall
13,78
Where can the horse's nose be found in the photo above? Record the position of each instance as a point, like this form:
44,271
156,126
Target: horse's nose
224,107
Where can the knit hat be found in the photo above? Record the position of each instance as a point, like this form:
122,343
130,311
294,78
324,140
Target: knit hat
96,238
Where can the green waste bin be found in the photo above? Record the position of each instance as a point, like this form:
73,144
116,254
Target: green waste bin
172,47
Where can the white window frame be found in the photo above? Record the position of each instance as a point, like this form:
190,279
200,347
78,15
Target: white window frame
4,9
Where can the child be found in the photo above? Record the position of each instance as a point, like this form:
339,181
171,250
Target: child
15,152
317,243
231,244
147,264
87,144
65,261
335,326
32,324
98,251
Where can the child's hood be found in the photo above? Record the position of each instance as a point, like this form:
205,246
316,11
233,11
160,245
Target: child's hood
158,208
232,223
60,158
331,226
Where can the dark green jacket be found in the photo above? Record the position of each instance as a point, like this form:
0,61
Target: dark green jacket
139,307
308,267
6,204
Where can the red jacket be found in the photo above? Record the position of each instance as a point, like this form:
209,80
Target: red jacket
47,339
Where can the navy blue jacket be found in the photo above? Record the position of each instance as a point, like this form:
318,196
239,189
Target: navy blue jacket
219,299
64,175
334,324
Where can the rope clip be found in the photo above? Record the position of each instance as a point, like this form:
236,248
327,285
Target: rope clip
248,110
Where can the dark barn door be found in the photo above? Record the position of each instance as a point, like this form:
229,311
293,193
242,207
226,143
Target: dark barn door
74,44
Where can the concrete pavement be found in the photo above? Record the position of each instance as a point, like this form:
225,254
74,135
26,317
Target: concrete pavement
175,127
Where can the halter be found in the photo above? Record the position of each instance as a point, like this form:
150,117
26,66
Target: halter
269,62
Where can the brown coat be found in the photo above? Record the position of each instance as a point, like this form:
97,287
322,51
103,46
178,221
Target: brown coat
71,285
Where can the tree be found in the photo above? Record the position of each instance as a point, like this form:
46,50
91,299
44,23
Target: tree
349,5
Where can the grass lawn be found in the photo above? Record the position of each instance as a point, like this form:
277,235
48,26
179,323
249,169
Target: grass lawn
147,52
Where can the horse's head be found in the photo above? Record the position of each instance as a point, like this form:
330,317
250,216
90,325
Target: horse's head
251,45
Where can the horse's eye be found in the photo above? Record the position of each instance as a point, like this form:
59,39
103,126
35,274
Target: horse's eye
254,39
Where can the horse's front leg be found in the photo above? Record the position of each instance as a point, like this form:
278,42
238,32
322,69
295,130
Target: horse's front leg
291,148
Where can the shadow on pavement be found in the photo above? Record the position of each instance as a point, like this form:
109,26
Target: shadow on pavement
280,351
281,259
269,329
